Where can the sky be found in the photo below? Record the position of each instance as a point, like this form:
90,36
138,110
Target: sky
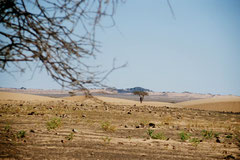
197,51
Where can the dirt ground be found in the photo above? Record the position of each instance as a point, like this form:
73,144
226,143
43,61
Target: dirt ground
80,128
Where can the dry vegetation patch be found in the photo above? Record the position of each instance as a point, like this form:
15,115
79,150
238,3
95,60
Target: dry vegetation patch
92,128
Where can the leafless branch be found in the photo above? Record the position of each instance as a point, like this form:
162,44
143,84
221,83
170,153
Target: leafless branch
55,35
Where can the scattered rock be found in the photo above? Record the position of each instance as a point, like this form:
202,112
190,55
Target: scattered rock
121,143
31,113
129,112
20,104
137,126
218,140
31,130
228,157
143,155
152,125
134,105
126,126
75,131
178,117
84,116
10,140
63,115
62,141
106,107
82,105
141,125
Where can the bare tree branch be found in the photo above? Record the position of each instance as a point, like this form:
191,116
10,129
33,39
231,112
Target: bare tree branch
56,35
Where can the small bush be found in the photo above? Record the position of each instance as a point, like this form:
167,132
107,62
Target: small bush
195,141
229,136
106,139
106,126
216,135
207,134
150,132
155,136
21,134
184,136
70,137
7,128
54,123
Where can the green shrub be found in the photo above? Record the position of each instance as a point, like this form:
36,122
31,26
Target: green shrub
216,135
7,128
106,126
106,139
70,136
155,136
195,141
229,136
21,134
150,132
207,134
184,136
54,123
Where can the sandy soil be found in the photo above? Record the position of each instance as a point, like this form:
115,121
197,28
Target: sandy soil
24,97
220,103
106,128
117,101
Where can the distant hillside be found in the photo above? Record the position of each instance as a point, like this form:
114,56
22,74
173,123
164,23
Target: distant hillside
131,90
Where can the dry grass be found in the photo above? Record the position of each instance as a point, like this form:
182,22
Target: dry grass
115,127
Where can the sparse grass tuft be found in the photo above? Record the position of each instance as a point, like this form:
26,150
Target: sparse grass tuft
229,136
106,126
207,134
216,134
54,123
106,140
21,134
150,132
184,136
70,136
7,128
195,141
156,136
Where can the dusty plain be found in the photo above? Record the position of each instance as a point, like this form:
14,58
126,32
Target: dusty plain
37,127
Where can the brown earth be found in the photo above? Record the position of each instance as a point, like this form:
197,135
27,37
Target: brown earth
220,103
102,128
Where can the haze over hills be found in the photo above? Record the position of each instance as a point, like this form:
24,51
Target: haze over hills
217,103
172,97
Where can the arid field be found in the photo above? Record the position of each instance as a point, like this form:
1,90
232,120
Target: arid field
38,127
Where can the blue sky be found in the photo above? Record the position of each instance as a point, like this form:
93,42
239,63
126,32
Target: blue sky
199,51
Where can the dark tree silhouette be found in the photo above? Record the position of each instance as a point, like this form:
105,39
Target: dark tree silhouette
141,94
54,35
